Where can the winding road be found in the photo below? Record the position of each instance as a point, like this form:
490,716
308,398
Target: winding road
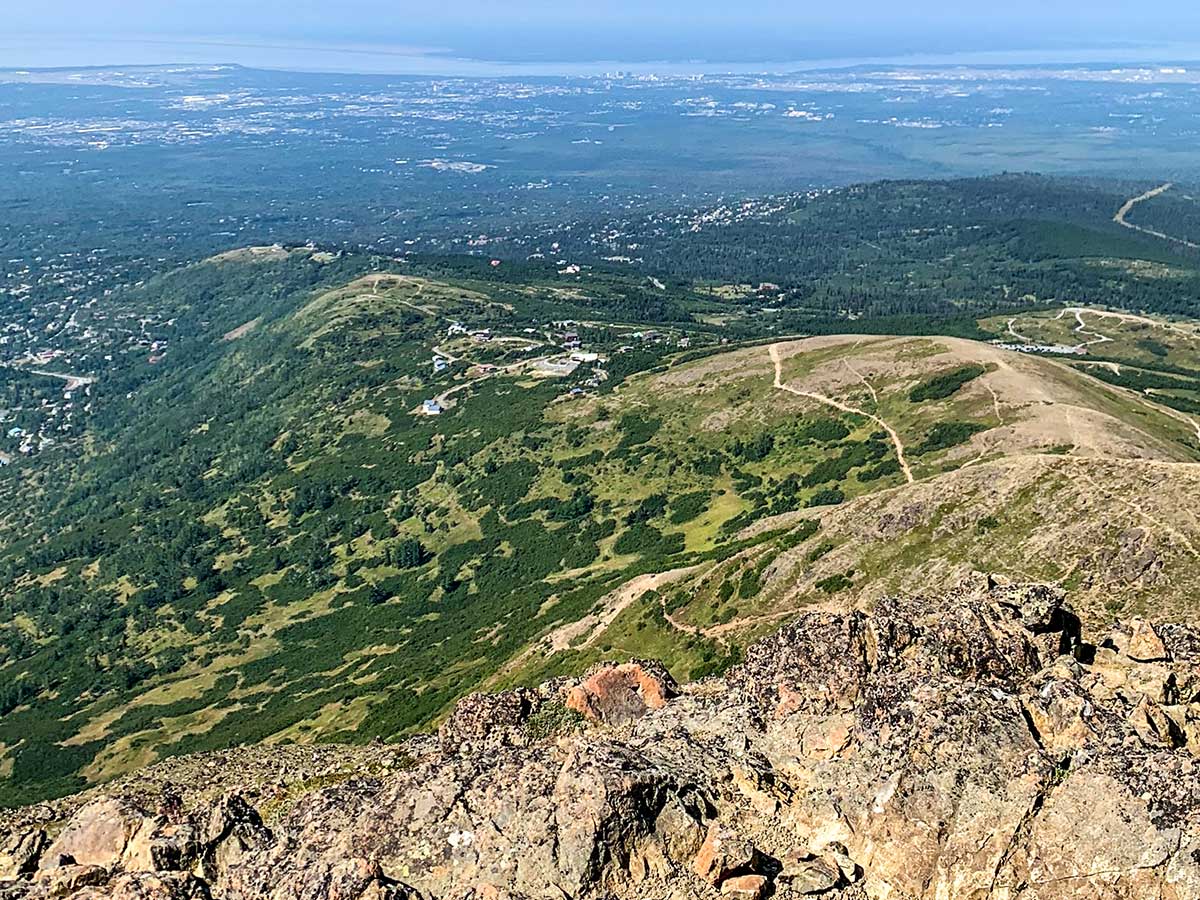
73,382
837,404
1127,208
1017,334
1081,328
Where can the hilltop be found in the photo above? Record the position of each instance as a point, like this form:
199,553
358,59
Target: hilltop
1011,462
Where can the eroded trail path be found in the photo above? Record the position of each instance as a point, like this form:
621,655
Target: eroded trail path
719,632
857,374
995,403
837,404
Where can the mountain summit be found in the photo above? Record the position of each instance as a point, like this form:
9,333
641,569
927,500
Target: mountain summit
975,744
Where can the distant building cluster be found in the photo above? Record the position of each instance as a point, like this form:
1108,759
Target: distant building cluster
1075,350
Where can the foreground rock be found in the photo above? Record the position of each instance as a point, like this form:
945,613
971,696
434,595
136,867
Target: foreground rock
967,746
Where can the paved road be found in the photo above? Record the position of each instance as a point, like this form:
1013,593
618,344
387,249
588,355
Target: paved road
73,382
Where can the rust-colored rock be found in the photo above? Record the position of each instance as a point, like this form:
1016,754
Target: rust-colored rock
968,745
745,887
616,694
724,855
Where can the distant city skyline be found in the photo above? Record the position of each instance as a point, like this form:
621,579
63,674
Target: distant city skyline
373,35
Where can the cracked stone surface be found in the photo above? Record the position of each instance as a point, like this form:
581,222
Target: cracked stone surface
970,745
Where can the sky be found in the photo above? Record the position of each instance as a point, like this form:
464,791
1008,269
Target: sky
549,31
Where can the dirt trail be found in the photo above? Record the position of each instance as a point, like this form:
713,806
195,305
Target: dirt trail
1122,316
1127,208
1162,407
995,403
1020,337
1081,328
1189,333
867,384
612,605
592,625
836,404
1192,334
1175,414
1137,508
1147,400
718,632
418,283
675,623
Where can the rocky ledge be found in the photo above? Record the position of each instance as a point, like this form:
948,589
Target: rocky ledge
957,747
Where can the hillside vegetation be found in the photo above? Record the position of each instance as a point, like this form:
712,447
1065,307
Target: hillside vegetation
263,536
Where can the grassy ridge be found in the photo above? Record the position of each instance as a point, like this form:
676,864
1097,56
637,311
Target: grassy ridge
259,538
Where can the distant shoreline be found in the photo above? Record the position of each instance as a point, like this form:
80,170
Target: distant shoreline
43,53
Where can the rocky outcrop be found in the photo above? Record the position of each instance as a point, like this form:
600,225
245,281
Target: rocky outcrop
21,853
971,746
618,694
98,835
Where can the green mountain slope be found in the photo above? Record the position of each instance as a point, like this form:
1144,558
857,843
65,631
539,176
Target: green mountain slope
267,539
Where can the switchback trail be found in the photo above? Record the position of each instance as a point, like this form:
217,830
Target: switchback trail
836,404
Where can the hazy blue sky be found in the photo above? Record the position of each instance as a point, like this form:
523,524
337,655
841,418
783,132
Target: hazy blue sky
524,30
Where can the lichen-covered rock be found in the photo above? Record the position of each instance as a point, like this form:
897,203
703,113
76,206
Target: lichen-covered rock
352,878
969,746
617,694
232,830
96,836
810,875
488,719
160,846
148,886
